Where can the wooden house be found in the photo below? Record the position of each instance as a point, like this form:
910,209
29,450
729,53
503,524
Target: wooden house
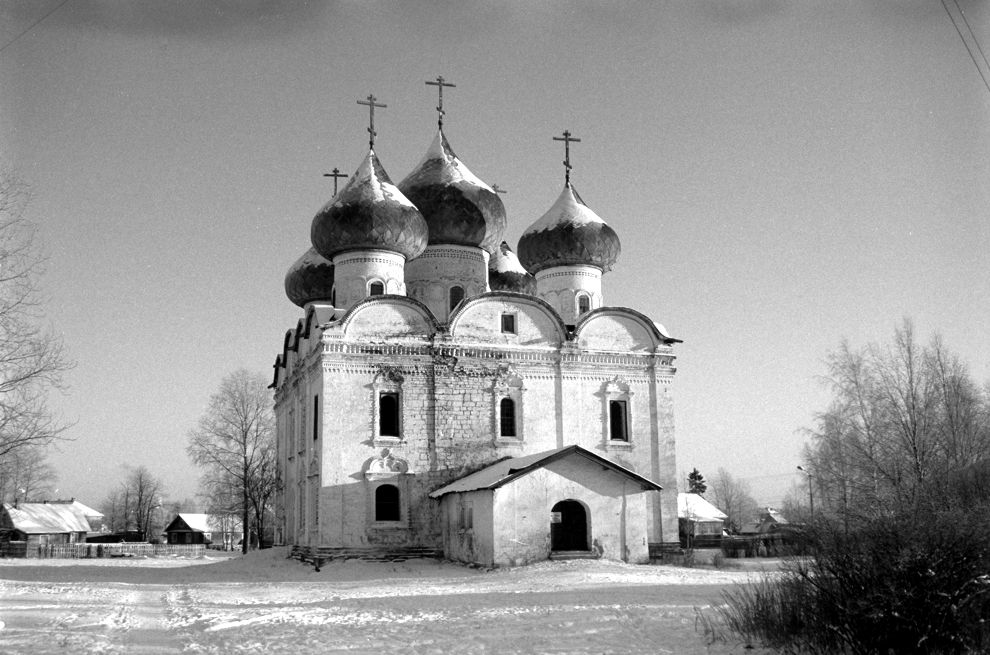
219,530
43,524
699,522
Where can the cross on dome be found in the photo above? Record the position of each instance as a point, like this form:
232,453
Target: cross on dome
440,83
336,175
371,102
567,138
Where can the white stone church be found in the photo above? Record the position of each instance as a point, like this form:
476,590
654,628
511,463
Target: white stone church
441,393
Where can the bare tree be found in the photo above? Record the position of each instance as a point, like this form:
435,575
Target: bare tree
733,497
27,474
235,443
32,359
903,417
135,505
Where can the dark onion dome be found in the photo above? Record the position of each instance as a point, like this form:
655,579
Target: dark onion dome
369,213
568,234
309,279
505,273
459,208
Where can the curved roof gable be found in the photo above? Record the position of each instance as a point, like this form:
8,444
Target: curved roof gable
389,316
480,318
619,328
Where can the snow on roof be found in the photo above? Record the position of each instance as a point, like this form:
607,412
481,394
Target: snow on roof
47,518
566,210
202,522
500,473
696,508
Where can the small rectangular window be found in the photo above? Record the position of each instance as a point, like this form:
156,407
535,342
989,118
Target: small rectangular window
618,420
509,323
466,519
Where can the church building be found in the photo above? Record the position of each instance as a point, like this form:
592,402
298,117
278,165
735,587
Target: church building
439,392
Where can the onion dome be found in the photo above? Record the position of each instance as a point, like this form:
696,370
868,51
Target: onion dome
569,234
459,208
309,279
505,273
369,213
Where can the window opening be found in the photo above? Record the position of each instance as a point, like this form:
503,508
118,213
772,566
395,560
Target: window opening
509,323
316,417
584,304
456,296
507,417
388,414
387,503
376,289
618,421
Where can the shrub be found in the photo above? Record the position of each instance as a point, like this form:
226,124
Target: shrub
893,585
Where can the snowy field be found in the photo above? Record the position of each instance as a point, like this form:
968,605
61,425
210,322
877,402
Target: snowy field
264,603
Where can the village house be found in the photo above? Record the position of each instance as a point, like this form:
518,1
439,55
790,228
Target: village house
26,527
222,531
440,392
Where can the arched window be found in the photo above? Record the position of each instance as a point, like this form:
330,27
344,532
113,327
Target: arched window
376,288
333,296
387,503
584,305
456,296
388,414
507,417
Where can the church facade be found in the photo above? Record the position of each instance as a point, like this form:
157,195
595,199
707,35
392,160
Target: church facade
441,392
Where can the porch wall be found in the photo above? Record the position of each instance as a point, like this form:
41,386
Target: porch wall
616,507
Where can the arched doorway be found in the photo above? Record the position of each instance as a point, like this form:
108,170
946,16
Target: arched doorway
569,526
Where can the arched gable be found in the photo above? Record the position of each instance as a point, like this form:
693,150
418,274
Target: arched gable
480,319
619,328
382,317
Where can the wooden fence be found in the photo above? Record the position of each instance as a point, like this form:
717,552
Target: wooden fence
88,551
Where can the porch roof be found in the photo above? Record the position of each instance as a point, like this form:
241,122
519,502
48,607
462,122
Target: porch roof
507,470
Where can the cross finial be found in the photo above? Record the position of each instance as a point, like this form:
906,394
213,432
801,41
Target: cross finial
335,174
371,102
440,83
497,189
567,139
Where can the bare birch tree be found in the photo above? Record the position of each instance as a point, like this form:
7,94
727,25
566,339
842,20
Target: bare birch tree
733,497
32,359
235,443
903,417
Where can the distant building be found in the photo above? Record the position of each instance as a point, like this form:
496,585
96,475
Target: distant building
700,522
436,381
220,530
43,524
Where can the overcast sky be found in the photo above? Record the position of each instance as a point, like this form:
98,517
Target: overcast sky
781,175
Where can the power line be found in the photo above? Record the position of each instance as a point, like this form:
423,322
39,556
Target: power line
972,34
969,50
34,24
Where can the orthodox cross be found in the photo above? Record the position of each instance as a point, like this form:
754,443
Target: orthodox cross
371,103
567,138
497,189
335,174
440,83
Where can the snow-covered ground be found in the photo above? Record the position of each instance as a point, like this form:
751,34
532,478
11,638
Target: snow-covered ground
264,603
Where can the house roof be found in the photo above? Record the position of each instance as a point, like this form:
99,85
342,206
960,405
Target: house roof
507,470
198,523
696,508
46,518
